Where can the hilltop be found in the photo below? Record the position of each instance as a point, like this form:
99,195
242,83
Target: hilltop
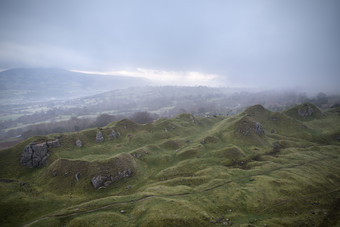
257,168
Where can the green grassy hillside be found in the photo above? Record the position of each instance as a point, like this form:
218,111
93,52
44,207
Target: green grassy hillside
257,168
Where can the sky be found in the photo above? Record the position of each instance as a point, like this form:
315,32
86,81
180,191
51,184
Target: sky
234,43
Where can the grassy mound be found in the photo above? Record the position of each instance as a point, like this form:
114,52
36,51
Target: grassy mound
304,112
254,168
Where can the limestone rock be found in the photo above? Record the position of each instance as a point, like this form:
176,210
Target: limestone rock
100,180
99,137
114,134
77,176
52,144
34,155
259,129
79,143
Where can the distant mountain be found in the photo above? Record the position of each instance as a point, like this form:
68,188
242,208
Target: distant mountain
41,84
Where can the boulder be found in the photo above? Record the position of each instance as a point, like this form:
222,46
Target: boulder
34,155
99,137
79,143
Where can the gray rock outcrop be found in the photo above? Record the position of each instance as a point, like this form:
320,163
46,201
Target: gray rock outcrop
101,180
99,137
53,144
114,134
34,155
79,143
259,129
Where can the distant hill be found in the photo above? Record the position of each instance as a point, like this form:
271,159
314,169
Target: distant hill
42,84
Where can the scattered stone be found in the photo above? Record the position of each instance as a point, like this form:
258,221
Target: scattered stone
188,141
203,142
128,187
22,183
77,176
251,179
338,138
79,143
54,174
66,174
165,130
99,137
312,212
122,211
272,131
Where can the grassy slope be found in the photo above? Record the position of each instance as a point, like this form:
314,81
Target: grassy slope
289,176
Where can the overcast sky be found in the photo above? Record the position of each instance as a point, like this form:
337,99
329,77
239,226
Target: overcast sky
256,43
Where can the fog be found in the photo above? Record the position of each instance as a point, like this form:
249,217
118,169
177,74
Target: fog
260,44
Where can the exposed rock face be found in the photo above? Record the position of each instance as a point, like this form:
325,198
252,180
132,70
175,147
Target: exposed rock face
305,111
34,155
99,137
100,180
247,127
259,129
79,143
114,134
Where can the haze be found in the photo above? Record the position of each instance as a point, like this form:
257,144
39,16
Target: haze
262,44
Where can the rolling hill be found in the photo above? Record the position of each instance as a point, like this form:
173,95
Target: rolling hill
256,168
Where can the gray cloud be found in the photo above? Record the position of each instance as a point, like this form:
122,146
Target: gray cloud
284,43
